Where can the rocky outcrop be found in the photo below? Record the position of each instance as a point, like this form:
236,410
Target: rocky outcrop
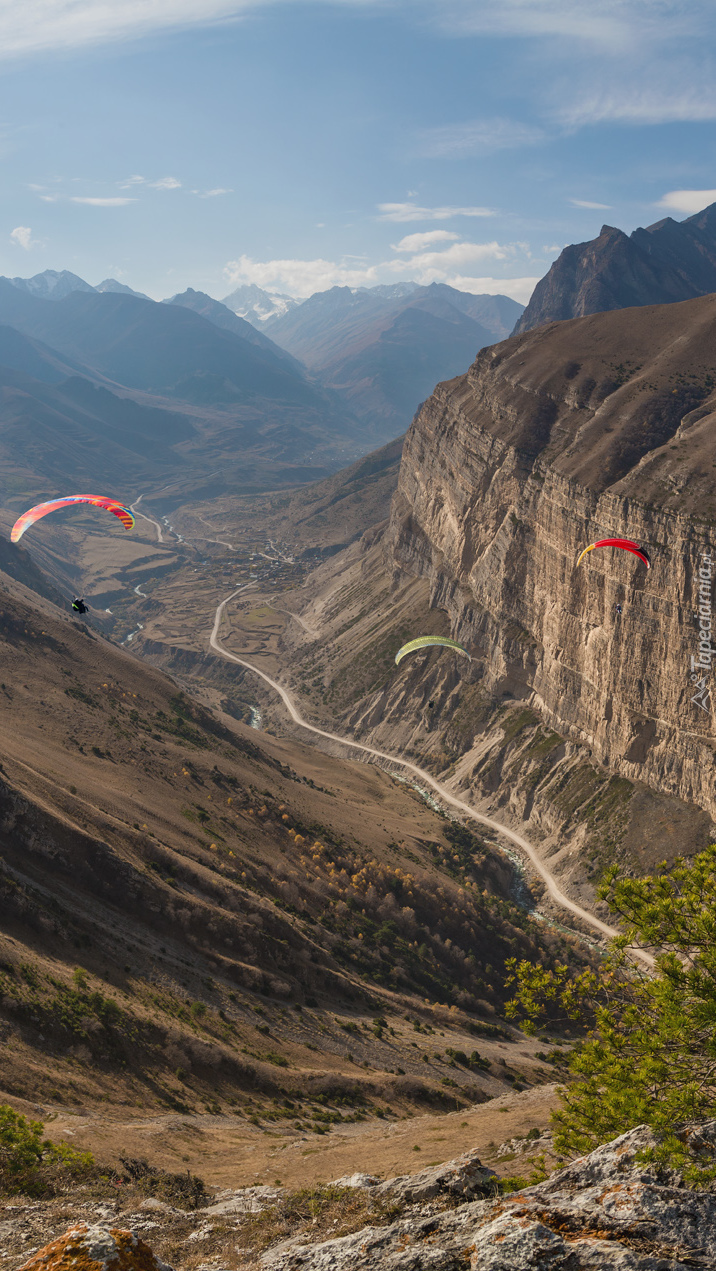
610,1209
465,1177
604,1210
579,431
666,262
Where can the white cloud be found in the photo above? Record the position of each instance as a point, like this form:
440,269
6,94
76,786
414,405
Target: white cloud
475,138
302,278
687,200
35,25
649,87
519,289
416,242
604,207
164,183
297,277
22,237
439,266
213,194
116,202
458,255
49,198
403,212
611,24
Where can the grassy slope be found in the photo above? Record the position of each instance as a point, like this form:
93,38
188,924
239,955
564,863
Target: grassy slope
192,919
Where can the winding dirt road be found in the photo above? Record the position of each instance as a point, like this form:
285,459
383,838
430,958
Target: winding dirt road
522,843
134,507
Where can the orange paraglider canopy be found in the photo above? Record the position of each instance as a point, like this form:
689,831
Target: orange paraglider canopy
95,500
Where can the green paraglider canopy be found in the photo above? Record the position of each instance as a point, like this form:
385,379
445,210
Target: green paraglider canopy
425,642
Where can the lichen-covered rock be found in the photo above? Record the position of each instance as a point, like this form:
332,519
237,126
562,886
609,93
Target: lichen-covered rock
96,1248
606,1210
244,1200
441,1242
356,1180
466,1176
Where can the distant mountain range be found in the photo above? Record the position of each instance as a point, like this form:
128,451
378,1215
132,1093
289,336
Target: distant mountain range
224,317
55,285
384,348
666,262
256,305
338,375
111,389
164,349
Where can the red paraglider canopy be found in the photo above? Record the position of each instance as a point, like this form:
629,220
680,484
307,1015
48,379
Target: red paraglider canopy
626,545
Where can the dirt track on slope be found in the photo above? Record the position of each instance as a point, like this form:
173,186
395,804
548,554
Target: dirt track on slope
441,790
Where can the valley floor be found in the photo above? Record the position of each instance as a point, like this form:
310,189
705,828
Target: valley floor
226,1151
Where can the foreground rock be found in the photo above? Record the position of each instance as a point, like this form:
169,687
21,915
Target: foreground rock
96,1248
604,1210
465,1177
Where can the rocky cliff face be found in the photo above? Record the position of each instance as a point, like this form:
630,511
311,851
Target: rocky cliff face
575,432
666,262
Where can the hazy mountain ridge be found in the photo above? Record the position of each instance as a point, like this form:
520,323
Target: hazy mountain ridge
236,404
159,348
256,305
53,284
225,318
238,409
331,322
384,348
662,264
111,284
22,354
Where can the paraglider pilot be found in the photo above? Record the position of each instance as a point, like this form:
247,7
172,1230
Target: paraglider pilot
78,604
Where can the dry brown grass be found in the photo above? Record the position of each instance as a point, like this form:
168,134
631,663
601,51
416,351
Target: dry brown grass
318,1212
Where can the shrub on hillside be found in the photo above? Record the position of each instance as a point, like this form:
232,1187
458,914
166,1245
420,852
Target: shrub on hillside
32,1164
649,1051
186,1190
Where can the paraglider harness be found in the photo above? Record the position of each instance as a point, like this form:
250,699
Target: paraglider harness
78,604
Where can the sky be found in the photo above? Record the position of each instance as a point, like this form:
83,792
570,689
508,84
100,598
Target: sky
298,146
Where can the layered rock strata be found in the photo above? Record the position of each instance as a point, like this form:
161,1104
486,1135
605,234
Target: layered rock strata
595,428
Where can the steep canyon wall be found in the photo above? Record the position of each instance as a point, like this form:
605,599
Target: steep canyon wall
602,426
